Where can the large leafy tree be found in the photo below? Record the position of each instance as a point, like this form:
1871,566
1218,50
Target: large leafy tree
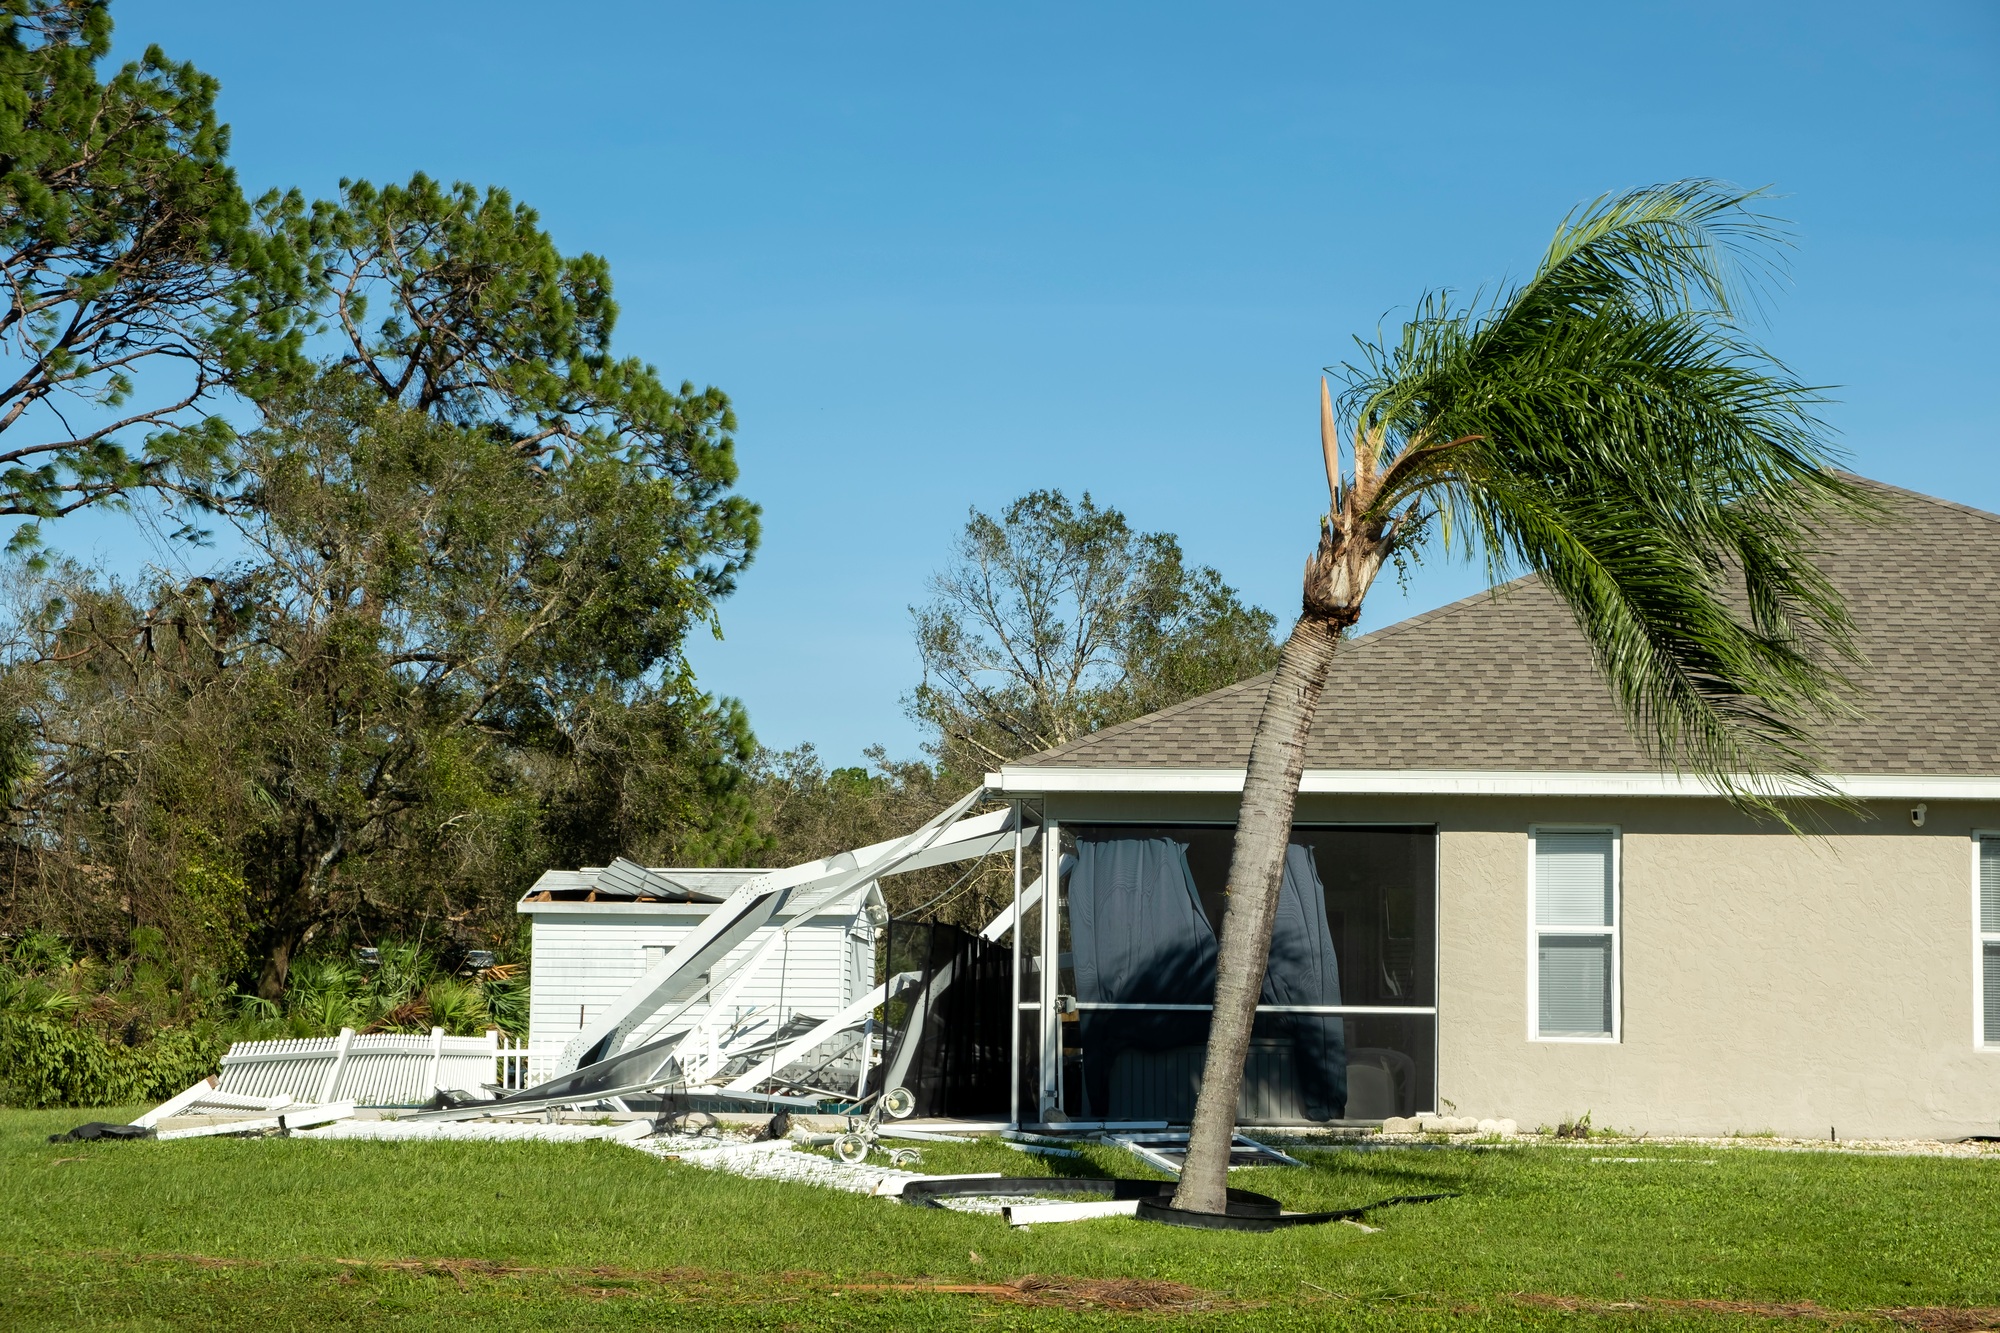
1056,617
1609,426
136,287
440,668
455,303
477,537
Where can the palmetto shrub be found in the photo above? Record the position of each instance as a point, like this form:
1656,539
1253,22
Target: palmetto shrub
86,1032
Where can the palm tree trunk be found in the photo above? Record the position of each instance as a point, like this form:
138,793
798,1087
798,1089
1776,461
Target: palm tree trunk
1351,552
1256,867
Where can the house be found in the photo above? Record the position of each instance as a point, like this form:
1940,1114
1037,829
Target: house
1496,905
596,931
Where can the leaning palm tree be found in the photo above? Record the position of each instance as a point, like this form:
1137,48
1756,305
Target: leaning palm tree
1608,426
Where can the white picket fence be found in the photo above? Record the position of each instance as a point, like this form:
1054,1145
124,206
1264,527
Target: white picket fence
374,1069
520,1065
383,1069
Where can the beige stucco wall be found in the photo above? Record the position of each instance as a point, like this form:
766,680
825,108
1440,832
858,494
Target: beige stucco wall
1770,981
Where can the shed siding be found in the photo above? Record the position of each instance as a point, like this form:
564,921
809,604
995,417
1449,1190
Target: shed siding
582,963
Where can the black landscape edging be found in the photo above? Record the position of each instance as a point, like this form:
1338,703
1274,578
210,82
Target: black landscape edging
1160,1209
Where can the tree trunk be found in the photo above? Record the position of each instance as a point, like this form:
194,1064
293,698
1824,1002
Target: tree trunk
276,969
1337,577
1256,867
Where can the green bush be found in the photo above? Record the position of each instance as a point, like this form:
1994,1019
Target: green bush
47,1061
87,1032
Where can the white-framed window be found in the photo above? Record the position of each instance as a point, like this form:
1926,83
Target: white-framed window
1573,910
1986,940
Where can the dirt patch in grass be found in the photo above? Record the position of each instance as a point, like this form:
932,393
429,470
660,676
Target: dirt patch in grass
1926,1318
1764,1309
1133,1295
1945,1318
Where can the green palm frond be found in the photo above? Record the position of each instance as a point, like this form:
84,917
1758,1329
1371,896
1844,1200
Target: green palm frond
1609,425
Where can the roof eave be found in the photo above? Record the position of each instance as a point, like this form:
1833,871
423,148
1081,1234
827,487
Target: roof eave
1039,780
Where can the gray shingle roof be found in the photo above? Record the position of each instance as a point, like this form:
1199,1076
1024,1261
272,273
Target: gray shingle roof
1504,681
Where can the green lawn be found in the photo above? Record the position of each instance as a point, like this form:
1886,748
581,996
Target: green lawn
280,1234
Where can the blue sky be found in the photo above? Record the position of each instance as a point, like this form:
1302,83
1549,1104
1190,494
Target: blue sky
940,254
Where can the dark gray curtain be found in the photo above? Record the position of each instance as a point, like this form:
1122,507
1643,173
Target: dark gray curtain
1304,970
1138,935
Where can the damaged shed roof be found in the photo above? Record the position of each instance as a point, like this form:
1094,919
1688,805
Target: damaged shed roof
628,881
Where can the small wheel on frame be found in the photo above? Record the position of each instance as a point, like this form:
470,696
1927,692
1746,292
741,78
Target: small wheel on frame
851,1149
898,1103
904,1157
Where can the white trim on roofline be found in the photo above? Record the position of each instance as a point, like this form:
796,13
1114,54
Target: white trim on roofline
614,908
1025,781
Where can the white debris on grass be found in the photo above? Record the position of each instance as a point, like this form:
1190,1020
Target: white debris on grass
1033,1211
774,1159
778,1159
293,1118
482,1131
995,1205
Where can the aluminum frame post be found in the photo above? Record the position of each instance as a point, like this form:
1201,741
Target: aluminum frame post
1014,998
1051,1024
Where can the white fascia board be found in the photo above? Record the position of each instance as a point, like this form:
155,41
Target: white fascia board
574,908
1022,781
693,912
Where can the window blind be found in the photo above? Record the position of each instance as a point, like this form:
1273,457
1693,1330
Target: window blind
1989,889
1575,937
1992,961
1575,985
1573,878
1989,927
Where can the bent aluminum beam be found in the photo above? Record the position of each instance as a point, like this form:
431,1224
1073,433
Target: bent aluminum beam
488,1110
1003,923
943,839
696,964
920,1013
962,841
681,974
839,1023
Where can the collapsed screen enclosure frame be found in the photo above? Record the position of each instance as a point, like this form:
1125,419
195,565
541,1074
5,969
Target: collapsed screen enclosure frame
1346,1029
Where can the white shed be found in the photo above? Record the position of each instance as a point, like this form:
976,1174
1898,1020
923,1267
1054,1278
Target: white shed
596,931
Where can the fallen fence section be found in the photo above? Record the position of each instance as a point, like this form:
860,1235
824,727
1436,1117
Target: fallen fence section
204,1099
304,1117
294,1074
402,1131
376,1069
